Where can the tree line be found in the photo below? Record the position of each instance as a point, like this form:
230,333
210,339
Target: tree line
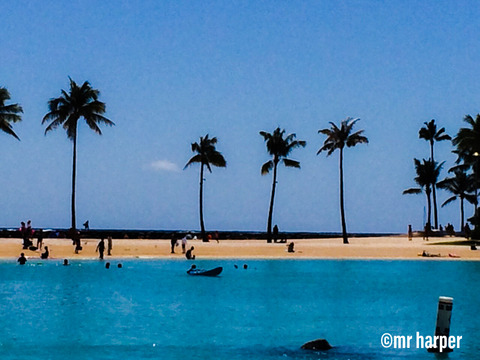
82,102
463,180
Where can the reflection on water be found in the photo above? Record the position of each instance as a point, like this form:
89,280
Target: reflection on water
153,309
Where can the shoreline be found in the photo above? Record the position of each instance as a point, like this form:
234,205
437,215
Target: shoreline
362,248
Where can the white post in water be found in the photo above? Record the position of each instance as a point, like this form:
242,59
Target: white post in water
444,315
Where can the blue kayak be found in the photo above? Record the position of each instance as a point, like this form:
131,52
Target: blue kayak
202,272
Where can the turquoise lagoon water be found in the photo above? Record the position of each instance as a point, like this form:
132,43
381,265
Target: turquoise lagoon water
151,309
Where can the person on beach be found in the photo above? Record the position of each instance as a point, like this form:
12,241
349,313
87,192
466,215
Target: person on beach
189,254
101,248
184,244
24,232
45,254
23,228
109,246
39,239
426,231
290,247
216,236
76,240
29,229
22,259
173,242
467,231
275,233
410,233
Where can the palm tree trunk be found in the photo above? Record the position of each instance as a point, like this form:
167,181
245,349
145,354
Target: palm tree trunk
74,175
435,212
462,227
342,208
429,207
202,225
270,211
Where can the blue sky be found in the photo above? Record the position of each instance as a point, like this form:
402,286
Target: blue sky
172,71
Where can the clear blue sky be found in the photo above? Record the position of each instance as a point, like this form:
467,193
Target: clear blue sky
172,71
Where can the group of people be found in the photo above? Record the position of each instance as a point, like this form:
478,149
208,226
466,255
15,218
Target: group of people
27,234
449,230
107,265
174,243
22,259
101,247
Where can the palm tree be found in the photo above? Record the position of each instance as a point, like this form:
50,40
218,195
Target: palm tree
279,148
427,176
461,185
8,113
337,138
66,110
430,133
206,155
467,142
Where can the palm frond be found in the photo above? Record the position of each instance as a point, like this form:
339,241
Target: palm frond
412,191
7,128
472,199
291,163
195,159
267,167
449,200
217,159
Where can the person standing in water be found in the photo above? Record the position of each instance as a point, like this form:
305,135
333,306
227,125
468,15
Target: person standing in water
101,248
22,259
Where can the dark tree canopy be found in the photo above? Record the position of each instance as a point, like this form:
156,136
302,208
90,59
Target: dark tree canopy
206,153
79,102
338,137
8,113
279,148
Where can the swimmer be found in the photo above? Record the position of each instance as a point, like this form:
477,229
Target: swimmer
22,259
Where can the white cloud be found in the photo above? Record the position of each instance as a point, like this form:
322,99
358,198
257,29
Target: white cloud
164,165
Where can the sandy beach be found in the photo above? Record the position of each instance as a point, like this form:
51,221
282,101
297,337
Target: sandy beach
395,247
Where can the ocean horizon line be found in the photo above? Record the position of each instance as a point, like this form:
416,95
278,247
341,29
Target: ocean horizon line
7,232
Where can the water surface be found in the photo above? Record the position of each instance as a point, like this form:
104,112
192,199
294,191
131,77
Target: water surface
151,309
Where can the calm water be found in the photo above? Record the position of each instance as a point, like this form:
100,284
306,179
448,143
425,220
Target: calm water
154,310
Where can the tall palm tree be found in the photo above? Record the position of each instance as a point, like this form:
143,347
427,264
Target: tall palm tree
430,134
467,142
279,148
460,186
206,155
8,113
427,176
67,110
337,138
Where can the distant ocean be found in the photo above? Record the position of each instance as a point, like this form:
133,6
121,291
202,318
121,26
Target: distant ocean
167,234
151,309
